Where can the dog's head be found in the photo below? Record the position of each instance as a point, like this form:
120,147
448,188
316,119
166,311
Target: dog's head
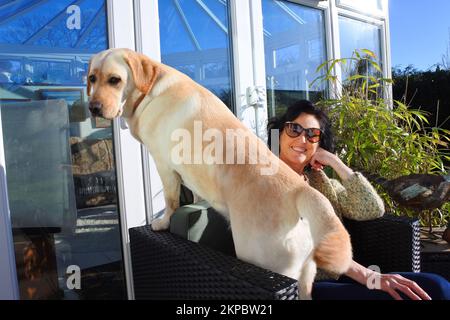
113,75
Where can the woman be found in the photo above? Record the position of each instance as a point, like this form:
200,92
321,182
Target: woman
306,144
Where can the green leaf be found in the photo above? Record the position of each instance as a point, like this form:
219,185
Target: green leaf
322,66
377,67
355,77
369,53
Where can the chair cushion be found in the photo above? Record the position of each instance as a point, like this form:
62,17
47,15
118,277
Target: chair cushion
200,223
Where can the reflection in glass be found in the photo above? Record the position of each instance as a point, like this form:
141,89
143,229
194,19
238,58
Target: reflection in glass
294,44
59,162
195,37
356,35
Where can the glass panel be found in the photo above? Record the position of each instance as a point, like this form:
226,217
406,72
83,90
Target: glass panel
294,46
59,161
195,40
356,35
363,5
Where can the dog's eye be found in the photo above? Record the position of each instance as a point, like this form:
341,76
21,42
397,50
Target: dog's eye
92,78
114,80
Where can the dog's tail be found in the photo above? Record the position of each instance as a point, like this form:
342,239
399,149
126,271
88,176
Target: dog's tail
332,246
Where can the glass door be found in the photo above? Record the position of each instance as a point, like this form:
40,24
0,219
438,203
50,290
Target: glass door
59,161
298,36
194,38
357,34
294,46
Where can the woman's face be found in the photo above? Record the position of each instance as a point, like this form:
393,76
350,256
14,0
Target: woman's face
297,152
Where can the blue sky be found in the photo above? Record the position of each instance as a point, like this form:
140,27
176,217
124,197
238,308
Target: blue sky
419,32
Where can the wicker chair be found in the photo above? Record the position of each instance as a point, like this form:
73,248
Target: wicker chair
187,262
390,243
166,266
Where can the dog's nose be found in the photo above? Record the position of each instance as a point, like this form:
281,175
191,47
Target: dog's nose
95,108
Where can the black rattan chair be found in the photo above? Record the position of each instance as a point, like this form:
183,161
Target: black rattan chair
391,243
168,266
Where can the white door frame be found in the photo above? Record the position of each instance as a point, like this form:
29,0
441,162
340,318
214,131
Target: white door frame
248,64
130,178
148,43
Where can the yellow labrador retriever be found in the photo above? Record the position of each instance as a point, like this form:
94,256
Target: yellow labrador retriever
277,220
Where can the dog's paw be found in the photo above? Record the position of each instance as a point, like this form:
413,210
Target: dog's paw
160,224
304,296
304,291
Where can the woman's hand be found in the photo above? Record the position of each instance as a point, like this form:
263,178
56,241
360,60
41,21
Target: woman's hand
390,283
395,283
322,158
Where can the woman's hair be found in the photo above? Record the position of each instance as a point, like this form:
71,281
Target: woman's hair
299,107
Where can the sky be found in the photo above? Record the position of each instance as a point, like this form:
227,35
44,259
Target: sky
419,32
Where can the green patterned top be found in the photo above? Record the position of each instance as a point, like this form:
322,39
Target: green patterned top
354,198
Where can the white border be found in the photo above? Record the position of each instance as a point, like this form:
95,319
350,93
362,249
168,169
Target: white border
335,42
9,287
241,37
148,43
375,13
383,36
387,48
260,116
128,154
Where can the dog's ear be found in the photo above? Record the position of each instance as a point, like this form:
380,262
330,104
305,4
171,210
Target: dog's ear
88,88
144,71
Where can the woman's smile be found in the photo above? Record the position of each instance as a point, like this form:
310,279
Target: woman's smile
298,149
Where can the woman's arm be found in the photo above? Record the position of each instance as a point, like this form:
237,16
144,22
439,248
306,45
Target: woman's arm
390,283
355,197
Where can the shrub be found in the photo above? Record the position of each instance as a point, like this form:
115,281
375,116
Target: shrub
382,138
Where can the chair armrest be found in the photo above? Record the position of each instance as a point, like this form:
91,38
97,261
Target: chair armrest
391,243
166,266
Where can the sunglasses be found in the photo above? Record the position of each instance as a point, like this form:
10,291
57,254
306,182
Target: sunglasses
294,130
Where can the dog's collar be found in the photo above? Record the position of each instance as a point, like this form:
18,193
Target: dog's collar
138,101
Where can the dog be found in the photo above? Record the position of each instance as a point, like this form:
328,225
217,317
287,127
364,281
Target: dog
277,220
